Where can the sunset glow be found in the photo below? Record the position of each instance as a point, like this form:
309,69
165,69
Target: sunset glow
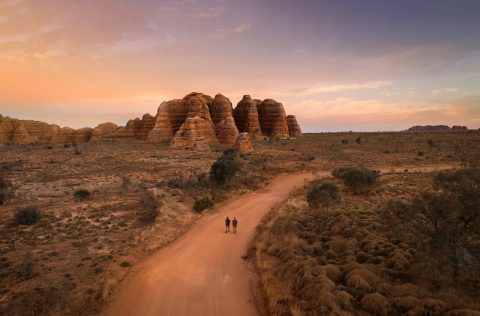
337,65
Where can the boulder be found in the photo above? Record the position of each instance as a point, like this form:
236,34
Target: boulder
243,143
293,127
227,131
170,117
246,116
193,128
102,130
272,117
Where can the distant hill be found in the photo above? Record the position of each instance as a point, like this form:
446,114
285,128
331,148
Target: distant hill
435,128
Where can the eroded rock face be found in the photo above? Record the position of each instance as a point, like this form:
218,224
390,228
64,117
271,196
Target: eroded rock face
208,99
6,130
64,135
273,120
102,130
227,131
145,126
170,116
21,136
246,116
293,127
220,109
129,131
243,143
193,128
82,135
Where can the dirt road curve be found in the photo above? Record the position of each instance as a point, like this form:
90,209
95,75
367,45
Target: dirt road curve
203,273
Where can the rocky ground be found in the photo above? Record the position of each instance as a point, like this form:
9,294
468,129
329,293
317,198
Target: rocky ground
72,259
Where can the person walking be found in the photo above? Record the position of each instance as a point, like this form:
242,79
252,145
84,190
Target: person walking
235,223
227,225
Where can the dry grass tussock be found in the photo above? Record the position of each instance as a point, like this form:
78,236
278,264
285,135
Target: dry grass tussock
347,260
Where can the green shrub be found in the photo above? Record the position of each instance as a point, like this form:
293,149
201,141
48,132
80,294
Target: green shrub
82,194
225,168
322,195
358,179
203,203
27,216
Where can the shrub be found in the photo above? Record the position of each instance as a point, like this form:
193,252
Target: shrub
82,194
148,208
358,179
125,264
203,203
322,195
225,168
4,186
344,141
27,216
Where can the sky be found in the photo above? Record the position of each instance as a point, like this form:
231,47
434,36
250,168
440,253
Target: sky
361,65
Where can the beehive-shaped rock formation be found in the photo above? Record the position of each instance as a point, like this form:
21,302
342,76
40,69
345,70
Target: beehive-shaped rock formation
272,117
246,116
146,125
103,130
82,135
227,131
193,128
170,116
243,143
220,109
293,127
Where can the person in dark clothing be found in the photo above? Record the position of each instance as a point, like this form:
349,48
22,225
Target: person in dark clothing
235,223
227,225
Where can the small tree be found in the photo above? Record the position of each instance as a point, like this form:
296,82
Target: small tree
323,195
148,208
202,203
358,179
225,168
82,194
27,216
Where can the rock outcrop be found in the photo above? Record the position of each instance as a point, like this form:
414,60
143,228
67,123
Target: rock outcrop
193,121
103,130
144,127
170,116
246,116
220,109
273,120
227,131
21,136
293,127
436,128
428,128
193,128
82,135
243,143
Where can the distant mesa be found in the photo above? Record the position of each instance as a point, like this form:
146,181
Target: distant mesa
195,121
435,128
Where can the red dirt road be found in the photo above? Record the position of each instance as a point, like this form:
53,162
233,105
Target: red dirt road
203,273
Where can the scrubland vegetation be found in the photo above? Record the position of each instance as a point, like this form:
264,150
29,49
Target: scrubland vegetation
142,196
408,246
